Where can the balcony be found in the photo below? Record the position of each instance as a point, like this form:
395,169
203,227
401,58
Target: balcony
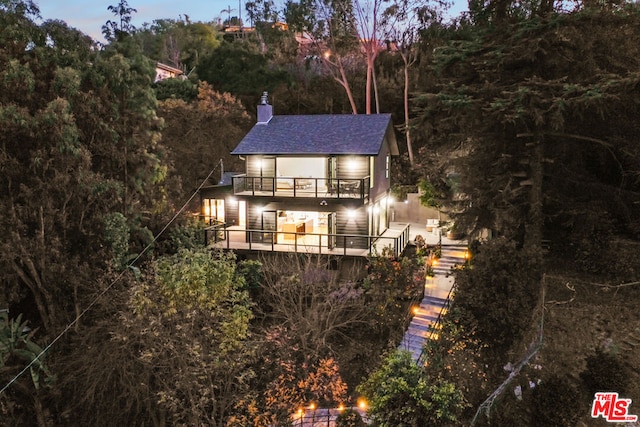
244,185
234,237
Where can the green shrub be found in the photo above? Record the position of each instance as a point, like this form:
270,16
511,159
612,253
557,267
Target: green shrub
349,418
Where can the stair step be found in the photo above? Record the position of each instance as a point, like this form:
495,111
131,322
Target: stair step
432,301
424,321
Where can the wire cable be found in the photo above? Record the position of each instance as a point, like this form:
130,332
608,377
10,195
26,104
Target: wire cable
111,285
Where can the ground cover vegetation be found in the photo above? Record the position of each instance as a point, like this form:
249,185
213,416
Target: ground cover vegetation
520,119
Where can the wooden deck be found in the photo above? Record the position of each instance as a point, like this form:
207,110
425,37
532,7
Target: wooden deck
396,238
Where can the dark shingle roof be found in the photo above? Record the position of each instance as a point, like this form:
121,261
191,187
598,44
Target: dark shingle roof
318,134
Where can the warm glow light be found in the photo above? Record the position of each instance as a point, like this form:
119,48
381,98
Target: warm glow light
376,210
312,406
391,201
207,210
434,262
260,209
327,54
466,254
416,310
352,165
362,404
300,411
341,408
351,213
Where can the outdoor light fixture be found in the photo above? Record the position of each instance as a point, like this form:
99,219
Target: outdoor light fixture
362,404
260,209
352,164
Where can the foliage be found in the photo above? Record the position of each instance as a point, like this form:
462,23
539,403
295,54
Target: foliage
180,44
213,125
251,271
239,68
605,372
391,282
319,383
188,235
176,89
307,298
117,30
349,418
177,350
116,231
17,350
557,402
498,292
400,394
534,141
429,196
17,345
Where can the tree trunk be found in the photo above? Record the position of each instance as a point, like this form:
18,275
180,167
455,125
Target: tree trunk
345,84
407,130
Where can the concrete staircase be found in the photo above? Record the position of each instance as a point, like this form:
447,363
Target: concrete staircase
424,325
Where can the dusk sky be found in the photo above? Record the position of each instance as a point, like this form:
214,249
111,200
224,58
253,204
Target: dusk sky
90,16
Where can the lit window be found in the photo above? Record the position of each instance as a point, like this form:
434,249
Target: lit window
372,163
386,167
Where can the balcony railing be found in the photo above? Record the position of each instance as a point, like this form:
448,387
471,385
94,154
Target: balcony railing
317,243
302,187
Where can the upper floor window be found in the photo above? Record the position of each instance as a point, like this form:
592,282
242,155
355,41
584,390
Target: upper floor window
387,166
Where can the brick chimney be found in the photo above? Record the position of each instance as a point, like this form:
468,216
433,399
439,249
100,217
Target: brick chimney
265,110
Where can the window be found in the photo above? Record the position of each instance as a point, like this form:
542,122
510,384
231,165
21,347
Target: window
372,163
213,209
386,166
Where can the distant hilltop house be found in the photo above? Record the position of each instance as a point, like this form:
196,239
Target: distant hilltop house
312,183
164,71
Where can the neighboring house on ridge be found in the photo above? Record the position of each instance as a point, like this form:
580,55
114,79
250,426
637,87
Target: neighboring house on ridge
312,183
164,71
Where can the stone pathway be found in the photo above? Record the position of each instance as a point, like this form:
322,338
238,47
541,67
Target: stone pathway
436,292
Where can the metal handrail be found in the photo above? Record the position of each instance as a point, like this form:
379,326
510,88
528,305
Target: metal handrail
339,188
397,244
433,327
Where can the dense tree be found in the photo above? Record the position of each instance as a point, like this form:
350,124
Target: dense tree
239,68
181,44
177,351
201,133
400,394
79,142
498,292
537,118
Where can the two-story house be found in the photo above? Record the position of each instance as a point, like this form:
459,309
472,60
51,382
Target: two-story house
312,183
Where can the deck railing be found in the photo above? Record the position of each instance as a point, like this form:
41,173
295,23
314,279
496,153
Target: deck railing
302,187
301,242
